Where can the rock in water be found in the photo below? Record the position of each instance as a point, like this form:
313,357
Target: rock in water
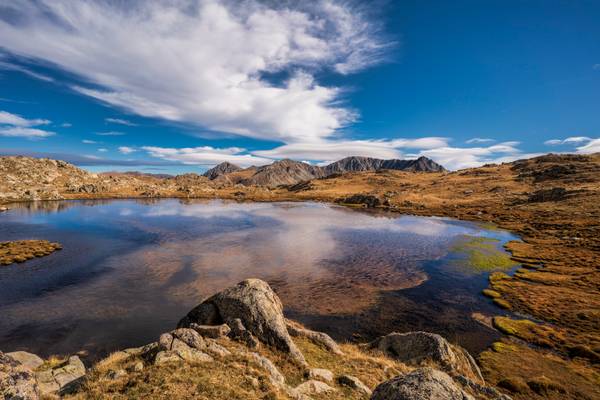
420,384
416,348
258,308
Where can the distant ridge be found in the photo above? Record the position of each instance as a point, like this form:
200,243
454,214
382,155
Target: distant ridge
221,169
356,164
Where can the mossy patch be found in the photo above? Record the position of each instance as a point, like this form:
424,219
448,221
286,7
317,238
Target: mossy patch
22,250
481,254
502,304
491,293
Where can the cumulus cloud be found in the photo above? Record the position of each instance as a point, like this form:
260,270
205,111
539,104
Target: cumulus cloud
224,51
331,150
569,140
207,155
593,146
120,121
458,158
126,150
13,125
479,140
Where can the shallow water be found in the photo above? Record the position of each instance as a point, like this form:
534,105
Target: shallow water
131,269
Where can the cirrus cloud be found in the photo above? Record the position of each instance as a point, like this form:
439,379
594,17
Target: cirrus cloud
224,51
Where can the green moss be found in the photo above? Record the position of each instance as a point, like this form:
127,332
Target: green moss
481,254
500,347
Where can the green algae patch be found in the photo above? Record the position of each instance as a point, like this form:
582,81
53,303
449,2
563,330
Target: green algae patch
481,254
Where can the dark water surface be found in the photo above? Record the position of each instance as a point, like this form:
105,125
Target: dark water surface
131,269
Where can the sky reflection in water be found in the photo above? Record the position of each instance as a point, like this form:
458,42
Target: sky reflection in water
131,269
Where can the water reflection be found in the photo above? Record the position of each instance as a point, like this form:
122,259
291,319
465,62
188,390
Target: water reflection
131,269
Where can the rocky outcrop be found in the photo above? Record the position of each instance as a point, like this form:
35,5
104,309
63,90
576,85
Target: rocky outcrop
421,384
354,383
253,305
16,380
284,172
365,200
221,169
354,164
421,348
320,338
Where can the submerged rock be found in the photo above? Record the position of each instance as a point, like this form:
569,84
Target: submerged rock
420,384
419,348
256,306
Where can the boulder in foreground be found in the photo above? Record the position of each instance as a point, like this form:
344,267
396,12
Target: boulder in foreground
256,306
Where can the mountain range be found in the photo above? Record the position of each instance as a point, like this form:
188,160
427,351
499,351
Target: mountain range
289,172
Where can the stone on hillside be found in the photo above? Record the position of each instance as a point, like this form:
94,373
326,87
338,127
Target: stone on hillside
239,332
189,337
27,360
319,338
16,380
419,348
276,378
216,349
420,384
184,343
258,308
312,387
320,374
61,379
166,357
211,331
354,383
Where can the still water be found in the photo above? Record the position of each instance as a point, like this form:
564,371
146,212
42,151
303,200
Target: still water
130,269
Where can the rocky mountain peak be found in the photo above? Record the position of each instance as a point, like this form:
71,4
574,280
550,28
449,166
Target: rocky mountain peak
221,169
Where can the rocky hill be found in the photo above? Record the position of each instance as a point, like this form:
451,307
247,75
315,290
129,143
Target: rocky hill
284,172
221,169
354,164
237,344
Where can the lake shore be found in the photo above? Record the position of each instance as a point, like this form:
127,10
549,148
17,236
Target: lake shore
552,203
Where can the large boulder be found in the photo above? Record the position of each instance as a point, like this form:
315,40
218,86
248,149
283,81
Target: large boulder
422,348
16,380
258,308
420,384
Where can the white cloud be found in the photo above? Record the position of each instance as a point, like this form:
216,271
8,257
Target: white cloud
553,142
120,121
569,140
126,150
223,50
593,146
458,158
479,140
14,67
207,156
13,125
102,150
326,150
66,125
86,141
110,133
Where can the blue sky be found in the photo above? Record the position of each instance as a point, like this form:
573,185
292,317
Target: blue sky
175,86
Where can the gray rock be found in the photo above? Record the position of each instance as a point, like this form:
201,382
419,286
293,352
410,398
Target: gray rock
165,357
354,383
420,384
320,374
69,375
16,381
313,387
239,332
276,378
259,309
319,338
419,348
189,337
216,349
28,360
211,331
